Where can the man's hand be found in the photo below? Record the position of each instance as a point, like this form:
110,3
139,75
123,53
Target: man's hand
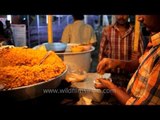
120,94
102,83
107,64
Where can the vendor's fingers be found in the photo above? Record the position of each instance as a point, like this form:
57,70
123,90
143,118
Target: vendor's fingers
104,82
101,67
99,64
98,86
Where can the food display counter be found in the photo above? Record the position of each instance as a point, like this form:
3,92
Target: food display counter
56,98
70,93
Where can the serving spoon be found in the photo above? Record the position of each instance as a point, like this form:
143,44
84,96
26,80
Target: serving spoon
45,57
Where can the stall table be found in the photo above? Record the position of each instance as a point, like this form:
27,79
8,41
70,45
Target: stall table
59,101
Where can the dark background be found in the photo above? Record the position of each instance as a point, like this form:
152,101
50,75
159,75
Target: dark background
79,6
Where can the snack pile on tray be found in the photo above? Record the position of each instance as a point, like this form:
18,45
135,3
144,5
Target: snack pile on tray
19,66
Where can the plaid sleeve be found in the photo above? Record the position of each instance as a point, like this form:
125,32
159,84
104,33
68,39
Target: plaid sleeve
103,43
130,101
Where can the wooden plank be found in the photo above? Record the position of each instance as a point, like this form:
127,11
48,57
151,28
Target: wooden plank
137,33
50,32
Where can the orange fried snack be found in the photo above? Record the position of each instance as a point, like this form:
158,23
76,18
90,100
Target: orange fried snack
77,48
20,67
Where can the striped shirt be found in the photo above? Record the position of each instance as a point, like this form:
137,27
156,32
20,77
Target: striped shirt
114,45
144,86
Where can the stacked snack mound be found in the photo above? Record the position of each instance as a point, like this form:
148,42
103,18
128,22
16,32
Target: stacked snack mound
20,67
80,48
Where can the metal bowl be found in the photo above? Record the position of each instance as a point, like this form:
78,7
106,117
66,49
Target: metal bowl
32,91
56,47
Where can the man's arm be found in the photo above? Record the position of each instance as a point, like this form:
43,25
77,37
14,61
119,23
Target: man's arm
129,66
103,43
121,95
66,35
108,64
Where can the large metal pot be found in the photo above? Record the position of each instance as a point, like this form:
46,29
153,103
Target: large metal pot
32,91
77,60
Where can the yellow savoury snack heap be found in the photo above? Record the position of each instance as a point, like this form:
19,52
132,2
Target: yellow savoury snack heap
20,67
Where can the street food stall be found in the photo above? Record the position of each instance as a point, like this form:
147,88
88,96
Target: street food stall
69,67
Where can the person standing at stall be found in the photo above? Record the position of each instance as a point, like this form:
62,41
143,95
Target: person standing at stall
117,41
78,32
144,86
3,39
8,33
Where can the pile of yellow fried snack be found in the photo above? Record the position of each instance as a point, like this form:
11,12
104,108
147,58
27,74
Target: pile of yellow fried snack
19,66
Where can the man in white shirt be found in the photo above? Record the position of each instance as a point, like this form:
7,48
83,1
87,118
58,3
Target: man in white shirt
78,32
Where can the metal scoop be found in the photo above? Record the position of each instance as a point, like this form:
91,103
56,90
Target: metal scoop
45,57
